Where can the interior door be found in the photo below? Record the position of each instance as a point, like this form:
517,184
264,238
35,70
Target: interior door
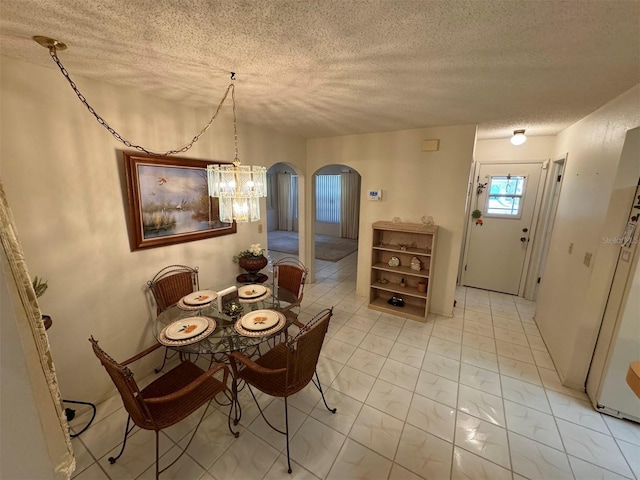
505,199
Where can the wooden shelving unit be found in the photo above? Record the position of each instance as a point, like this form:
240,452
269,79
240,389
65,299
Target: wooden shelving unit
407,242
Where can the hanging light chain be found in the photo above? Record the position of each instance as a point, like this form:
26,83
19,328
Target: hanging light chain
236,160
120,138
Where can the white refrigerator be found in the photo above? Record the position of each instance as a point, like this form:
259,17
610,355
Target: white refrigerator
619,339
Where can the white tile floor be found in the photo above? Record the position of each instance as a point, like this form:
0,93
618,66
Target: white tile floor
470,397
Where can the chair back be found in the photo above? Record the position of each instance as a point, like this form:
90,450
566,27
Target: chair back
172,283
303,351
122,378
291,275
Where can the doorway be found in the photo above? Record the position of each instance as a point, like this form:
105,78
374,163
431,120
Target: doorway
504,203
336,212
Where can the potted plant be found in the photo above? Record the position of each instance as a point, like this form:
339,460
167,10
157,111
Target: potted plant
40,286
252,260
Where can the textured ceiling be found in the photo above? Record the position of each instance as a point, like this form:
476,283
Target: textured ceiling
321,68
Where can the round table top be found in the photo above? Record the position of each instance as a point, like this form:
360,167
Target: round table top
224,339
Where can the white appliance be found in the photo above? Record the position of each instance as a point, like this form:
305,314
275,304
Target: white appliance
619,339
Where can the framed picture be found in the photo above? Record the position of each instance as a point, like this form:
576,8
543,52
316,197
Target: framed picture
169,201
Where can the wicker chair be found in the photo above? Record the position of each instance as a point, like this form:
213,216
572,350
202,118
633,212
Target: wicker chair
172,283
287,368
289,273
167,400
168,286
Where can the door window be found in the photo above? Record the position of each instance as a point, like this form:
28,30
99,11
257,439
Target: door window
505,196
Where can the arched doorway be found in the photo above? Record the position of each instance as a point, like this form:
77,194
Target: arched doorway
283,212
335,217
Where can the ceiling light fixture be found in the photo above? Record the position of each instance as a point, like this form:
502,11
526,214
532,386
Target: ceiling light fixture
238,187
518,137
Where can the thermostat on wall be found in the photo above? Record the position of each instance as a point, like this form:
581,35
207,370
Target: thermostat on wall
375,195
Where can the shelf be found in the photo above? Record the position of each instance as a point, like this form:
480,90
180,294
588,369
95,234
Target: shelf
409,250
408,311
401,270
406,227
392,239
396,288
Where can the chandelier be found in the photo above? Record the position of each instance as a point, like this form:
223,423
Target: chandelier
238,187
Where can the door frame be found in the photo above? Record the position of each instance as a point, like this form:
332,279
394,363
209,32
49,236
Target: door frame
534,219
548,209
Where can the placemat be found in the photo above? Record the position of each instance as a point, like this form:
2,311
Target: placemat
192,308
162,338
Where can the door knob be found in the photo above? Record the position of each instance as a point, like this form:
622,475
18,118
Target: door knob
523,239
525,230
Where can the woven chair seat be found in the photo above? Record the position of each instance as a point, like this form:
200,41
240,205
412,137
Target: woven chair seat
170,412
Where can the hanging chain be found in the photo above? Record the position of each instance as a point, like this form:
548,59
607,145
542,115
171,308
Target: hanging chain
236,160
120,138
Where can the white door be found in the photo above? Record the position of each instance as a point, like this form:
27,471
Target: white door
505,196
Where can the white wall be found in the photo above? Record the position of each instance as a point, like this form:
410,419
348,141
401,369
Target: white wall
63,177
414,183
572,295
501,150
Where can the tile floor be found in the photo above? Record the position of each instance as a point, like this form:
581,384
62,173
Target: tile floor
470,397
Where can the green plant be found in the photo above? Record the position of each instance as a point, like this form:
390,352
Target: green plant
254,251
40,286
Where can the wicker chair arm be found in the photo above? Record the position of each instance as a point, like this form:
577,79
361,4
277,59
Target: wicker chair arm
141,354
186,390
250,364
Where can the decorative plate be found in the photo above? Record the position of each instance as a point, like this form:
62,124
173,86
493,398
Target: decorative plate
282,320
186,328
394,262
201,297
259,320
251,291
164,340
262,297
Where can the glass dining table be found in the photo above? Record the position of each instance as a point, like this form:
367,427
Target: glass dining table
224,338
